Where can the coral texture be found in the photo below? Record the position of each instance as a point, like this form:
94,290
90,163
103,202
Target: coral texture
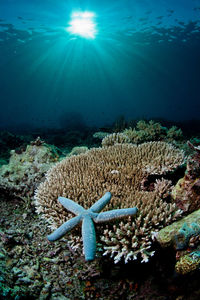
26,170
184,228
87,218
100,135
188,263
120,170
184,236
144,132
78,150
115,138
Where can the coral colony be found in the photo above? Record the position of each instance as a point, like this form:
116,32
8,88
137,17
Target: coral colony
120,169
88,217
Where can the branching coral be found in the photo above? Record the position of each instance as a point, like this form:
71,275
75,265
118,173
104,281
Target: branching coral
163,187
144,132
87,218
115,138
119,169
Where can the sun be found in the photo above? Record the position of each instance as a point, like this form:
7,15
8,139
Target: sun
82,23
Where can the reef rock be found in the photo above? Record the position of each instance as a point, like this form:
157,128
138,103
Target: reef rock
26,169
186,192
184,236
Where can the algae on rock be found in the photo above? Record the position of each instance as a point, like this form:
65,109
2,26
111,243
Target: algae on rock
26,170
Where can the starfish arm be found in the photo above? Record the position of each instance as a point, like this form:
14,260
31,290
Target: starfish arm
99,205
64,228
89,238
115,214
71,205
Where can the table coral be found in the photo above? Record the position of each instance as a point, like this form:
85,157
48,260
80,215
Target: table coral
87,218
119,169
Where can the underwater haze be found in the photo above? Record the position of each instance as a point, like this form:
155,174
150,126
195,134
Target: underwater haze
137,58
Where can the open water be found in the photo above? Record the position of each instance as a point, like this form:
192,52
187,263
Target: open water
137,58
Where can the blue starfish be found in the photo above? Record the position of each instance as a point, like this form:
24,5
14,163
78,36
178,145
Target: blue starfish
88,217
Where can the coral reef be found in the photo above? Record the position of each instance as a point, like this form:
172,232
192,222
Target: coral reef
88,217
100,135
33,268
184,236
115,138
144,132
26,169
186,193
78,150
188,263
119,169
9,141
166,235
163,187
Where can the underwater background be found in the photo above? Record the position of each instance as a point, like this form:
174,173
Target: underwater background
143,62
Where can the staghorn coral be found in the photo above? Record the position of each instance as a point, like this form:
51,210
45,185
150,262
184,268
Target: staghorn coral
115,138
134,237
174,133
87,218
100,135
163,187
120,170
26,169
78,150
144,132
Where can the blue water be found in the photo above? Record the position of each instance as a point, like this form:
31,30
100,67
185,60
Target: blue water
144,62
